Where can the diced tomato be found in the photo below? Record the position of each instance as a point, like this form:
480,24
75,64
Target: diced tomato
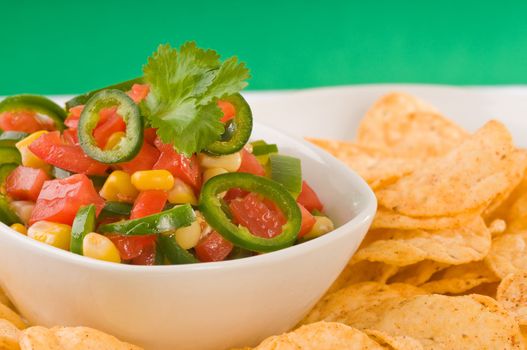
234,193
25,183
139,92
213,247
21,120
70,136
147,256
260,217
60,199
51,149
308,221
72,121
144,160
150,135
114,123
131,247
187,169
250,164
309,199
228,110
148,203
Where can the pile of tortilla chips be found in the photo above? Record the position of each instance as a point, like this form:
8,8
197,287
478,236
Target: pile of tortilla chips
444,265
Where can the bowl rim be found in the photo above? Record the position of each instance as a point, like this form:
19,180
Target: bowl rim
364,215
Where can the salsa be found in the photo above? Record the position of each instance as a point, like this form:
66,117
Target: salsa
157,170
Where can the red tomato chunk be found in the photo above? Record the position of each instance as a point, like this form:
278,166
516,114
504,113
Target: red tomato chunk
213,247
25,183
308,221
139,92
131,247
148,203
144,160
60,199
228,111
51,149
309,199
187,169
261,217
22,120
250,164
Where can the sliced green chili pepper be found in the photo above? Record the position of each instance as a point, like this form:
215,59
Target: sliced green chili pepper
167,220
5,170
129,145
116,209
10,138
243,125
9,155
173,251
159,258
210,206
287,171
7,215
83,224
39,104
82,99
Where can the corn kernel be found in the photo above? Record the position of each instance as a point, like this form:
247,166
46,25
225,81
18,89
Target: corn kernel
114,140
100,247
52,233
322,225
29,159
188,237
118,187
19,228
145,180
207,174
229,162
181,193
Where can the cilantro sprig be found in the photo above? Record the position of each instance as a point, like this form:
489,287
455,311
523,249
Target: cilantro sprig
185,86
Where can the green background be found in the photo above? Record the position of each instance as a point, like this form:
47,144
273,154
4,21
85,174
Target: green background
71,46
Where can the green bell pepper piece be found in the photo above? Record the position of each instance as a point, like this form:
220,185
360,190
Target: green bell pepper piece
83,224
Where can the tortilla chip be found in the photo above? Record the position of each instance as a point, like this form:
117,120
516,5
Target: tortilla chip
517,215
11,316
459,279
394,343
376,167
405,247
385,218
408,127
363,271
418,273
512,295
483,166
9,336
450,323
508,254
497,227
321,336
70,338
361,304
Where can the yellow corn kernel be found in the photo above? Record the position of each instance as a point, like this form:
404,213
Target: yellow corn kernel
229,162
207,174
29,158
322,225
188,237
153,180
118,187
99,247
52,233
181,193
114,140
19,228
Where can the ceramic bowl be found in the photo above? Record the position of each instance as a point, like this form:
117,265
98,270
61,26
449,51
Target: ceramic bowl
201,306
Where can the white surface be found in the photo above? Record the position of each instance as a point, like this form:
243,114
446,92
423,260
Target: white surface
202,306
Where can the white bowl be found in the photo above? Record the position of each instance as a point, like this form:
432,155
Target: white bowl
201,306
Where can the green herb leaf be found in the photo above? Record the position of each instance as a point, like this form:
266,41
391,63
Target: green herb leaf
184,88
